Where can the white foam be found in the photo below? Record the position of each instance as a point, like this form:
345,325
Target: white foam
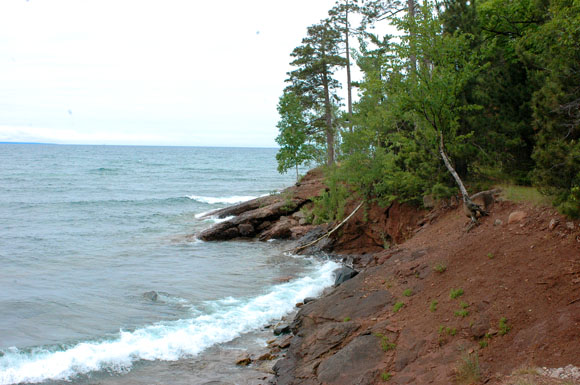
223,200
164,341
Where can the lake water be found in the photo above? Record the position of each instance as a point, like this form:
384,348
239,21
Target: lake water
87,232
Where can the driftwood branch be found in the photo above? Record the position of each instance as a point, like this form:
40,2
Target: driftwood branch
328,233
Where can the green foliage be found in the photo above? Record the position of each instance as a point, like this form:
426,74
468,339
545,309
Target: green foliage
386,376
440,267
398,306
408,292
295,147
330,205
463,312
498,82
433,306
556,105
525,194
455,293
447,330
346,319
315,61
468,370
386,345
503,327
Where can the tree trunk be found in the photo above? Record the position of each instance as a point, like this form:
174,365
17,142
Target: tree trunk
296,172
328,118
470,207
411,14
348,80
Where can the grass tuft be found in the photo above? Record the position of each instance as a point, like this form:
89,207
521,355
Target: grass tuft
398,306
455,293
468,371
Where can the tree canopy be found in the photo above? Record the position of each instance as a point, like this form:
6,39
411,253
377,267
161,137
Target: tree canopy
490,86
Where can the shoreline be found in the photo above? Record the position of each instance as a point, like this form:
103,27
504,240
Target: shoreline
395,321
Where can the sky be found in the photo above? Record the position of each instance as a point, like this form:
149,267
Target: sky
147,72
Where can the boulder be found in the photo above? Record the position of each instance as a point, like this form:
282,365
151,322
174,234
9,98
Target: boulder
480,326
344,274
280,230
516,217
246,230
151,295
553,223
282,329
570,225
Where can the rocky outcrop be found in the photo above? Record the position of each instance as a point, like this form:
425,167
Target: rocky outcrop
272,217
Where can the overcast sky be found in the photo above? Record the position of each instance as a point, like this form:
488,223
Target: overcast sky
163,72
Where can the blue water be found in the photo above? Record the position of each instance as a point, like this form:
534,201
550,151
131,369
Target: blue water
86,231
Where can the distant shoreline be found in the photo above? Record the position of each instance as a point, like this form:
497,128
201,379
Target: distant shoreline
134,145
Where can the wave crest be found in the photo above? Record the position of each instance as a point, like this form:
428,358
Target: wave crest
167,341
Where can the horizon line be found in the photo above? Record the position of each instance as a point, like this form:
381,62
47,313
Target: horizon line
137,145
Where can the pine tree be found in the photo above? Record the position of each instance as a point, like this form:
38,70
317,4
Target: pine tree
316,60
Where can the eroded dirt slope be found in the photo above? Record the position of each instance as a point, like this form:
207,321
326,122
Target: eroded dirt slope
526,272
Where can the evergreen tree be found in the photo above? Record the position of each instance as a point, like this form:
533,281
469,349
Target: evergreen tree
339,15
316,60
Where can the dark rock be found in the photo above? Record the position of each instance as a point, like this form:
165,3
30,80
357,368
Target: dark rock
280,229
308,299
151,295
282,329
246,230
271,212
357,360
344,274
480,326
264,225
243,207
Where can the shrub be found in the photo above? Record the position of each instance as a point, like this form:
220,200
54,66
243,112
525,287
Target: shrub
440,267
398,306
433,306
455,293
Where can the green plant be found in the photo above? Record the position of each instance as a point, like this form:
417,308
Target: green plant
386,345
386,376
503,327
447,330
433,306
455,293
440,267
408,292
490,255
468,371
483,343
461,313
346,319
398,306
